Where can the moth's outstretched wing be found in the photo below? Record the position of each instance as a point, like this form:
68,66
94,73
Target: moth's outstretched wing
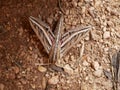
43,32
56,47
69,39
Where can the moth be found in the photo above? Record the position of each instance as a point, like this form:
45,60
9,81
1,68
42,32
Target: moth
55,44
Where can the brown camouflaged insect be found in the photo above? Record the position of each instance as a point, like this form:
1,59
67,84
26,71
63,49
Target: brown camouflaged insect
55,44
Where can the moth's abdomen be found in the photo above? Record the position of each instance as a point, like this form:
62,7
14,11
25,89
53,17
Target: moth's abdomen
54,54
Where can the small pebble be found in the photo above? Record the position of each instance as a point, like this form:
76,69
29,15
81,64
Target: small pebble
96,35
72,58
68,69
85,63
54,80
96,65
106,34
49,20
33,86
104,29
87,38
30,48
42,69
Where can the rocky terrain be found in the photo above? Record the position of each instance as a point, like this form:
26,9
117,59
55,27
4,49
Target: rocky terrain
23,59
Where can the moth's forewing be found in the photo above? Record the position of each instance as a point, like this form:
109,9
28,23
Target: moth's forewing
69,39
56,47
43,32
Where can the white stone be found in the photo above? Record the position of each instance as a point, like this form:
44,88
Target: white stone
87,38
83,9
42,69
85,63
96,65
72,58
106,34
104,29
68,69
79,4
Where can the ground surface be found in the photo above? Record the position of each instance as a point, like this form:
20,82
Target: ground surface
21,53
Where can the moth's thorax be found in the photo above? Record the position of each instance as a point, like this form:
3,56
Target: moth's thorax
54,54
56,45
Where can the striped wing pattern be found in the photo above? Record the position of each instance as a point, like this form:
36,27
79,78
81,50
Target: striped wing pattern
55,43
43,32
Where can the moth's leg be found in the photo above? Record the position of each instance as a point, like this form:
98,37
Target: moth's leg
56,68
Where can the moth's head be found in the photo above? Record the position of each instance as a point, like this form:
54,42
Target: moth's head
31,18
33,21
37,23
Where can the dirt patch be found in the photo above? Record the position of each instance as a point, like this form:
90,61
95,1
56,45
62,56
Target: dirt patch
16,43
